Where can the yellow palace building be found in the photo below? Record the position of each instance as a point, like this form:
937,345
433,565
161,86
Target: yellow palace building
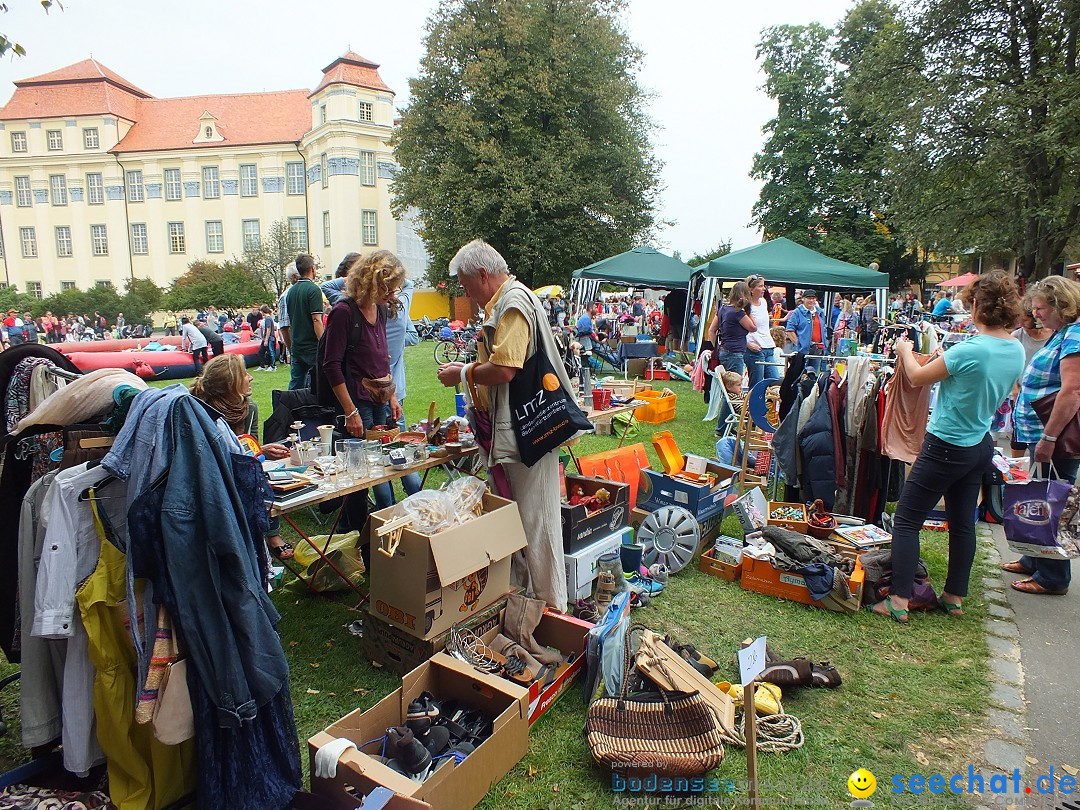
101,182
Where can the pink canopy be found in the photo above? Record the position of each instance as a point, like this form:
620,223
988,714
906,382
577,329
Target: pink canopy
959,281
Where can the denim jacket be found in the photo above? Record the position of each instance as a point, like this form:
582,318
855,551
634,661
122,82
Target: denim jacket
224,612
800,321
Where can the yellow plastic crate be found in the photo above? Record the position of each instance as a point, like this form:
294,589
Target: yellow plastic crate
659,410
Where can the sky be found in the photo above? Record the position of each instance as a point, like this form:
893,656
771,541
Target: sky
699,65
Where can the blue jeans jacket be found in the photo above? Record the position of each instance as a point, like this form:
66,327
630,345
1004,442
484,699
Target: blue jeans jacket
226,616
801,323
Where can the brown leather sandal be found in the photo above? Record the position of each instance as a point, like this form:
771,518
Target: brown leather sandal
1031,586
1015,567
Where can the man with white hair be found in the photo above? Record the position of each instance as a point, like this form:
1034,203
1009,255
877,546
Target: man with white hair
515,327
291,275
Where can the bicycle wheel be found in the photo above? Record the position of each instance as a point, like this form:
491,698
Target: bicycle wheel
446,351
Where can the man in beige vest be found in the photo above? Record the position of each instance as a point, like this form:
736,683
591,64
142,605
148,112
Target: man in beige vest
515,326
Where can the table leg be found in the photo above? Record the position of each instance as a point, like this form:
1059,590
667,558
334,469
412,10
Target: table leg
322,553
573,458
626,429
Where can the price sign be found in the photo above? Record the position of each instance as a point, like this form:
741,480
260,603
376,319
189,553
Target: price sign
752,661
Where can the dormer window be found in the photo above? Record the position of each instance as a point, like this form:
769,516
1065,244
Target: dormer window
208,129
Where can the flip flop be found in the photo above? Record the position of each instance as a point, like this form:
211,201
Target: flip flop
952,608
279,551
900,616
1015,567
1033,587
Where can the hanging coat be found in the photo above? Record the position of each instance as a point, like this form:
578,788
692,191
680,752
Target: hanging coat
818,455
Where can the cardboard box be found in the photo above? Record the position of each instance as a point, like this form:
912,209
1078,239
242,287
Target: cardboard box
399,652
581,568
625,389
714,567
630,331
628,339
567,635
762,577
434,581
579,528
752,509
454,786
703,501
635,366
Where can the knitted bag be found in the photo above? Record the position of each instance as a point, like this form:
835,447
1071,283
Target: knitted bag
672,734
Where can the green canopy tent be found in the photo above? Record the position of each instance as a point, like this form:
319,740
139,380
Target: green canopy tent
783,261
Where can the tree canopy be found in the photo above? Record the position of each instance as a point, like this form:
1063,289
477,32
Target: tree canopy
526,127
231,284
141,297
267,260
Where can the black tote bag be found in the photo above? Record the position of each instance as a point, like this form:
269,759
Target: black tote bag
544,415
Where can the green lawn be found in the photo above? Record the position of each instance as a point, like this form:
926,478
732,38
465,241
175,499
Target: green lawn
911,695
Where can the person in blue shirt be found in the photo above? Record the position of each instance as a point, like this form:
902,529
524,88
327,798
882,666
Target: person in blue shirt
943,306
334,290
806,327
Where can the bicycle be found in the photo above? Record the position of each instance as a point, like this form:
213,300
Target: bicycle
460,348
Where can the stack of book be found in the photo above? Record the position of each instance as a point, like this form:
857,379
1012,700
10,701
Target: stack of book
852,541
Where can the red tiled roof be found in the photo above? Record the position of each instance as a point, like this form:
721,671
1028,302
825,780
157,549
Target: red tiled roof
351,68
242,120
86,70
85,88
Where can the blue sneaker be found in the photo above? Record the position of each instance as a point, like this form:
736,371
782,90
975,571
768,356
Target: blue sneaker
645,585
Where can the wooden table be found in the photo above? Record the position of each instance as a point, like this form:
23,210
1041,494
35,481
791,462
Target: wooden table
390,474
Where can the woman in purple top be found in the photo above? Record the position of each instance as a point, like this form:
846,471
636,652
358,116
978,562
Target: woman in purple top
729,329
355,357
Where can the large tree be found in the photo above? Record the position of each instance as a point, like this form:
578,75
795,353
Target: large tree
983,101
526,128
231,284
268,259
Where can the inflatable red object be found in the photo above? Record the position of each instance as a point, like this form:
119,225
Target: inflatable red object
165,365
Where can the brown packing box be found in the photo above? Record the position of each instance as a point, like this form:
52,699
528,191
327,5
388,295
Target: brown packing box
453,786
434,581
399,652
579,528
635,366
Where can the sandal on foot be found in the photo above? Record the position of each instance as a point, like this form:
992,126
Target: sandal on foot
282,552
1015,567
898,615
1031,586
952,608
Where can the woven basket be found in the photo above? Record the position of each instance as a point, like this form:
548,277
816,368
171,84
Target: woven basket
674,735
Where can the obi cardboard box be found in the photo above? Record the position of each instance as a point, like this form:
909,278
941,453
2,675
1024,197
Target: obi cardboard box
579,528
453,786
581,567
703,500
432,582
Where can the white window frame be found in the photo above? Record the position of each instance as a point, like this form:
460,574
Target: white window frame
28,240
63,242
104,283
250,239
215,236
24,193
177,240
18,142
67,285
365,111
91,188
54,140
249,185
326,228
135,191
58,189
324,170
211,183
367,168
99,240
140,239
369,222
296,175
170,186
34,288
322,114
298,239
90,138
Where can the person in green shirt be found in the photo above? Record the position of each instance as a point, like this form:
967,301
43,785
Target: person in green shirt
304,303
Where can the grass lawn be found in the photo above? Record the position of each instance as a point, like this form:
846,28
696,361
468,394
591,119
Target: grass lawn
913,699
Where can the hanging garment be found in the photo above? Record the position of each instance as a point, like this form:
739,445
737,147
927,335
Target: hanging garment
144,774
818,476
837,394
81,400
858,377
785,442
907,408
796,364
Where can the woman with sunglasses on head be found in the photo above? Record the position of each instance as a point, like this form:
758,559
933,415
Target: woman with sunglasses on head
760,347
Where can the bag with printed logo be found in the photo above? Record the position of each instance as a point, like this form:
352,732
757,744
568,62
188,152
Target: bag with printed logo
1041,518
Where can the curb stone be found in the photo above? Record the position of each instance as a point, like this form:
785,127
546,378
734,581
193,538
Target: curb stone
1005,756
999,611
1003,648
1007,724
1002,629
1003,641
994,584
1007,670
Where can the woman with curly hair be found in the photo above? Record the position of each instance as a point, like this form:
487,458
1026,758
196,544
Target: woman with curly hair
356,359
976,376
225,386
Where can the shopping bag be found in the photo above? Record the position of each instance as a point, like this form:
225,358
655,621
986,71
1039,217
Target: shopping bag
544,414
1040,518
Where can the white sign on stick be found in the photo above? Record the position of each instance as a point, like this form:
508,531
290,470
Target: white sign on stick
752,661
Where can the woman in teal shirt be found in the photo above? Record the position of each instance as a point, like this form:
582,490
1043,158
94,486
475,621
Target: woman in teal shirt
976,376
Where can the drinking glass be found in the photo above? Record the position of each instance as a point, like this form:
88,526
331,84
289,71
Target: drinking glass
374,457
329,467
355,460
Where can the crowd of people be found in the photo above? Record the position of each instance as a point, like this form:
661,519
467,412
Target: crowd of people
18,328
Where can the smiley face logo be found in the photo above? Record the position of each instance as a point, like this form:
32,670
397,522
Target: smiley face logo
862,784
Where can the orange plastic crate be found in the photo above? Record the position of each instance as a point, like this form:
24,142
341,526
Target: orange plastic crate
762,577
659,410
718,568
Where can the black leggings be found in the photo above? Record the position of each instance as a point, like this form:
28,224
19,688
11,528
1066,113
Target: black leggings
957,473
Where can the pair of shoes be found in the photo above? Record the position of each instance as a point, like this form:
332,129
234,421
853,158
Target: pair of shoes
1016,567
647,585
422,712
410,753
766,696
952,608
900,616
1031,586
283,552
797,672
826,675
702,663
587,611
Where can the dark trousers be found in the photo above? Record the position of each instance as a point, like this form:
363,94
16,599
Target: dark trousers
1055,575
299,373
957,473
196,354
217,347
